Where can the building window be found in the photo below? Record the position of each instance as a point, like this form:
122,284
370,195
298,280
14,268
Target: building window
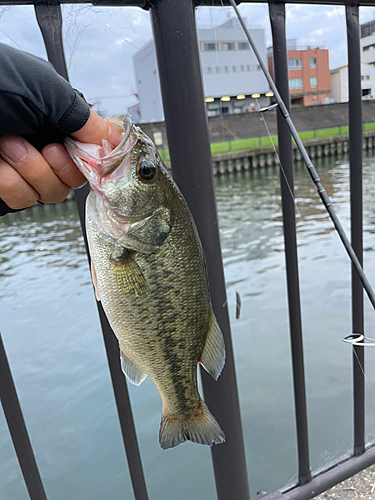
248,67
243,46
226,69
209,69
313,63
313,82
295,63
227,46
243,69
209,46
295,83
217,69
234,69
368,47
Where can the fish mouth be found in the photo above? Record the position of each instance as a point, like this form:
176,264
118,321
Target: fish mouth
94,160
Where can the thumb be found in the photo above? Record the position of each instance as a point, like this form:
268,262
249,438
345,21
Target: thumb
96,129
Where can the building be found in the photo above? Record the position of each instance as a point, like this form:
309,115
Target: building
340,83
368,43
149,107
233,81
309,75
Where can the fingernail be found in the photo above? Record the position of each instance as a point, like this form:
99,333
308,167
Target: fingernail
14,148
114,136
57,157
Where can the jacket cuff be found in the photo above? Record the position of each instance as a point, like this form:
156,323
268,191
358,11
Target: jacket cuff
76,116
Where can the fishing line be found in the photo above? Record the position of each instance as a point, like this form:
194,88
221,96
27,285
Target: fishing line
218,66
262,112
363,371
321,191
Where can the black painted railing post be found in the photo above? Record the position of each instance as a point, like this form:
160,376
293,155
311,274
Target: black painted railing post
50,22
18,431
189,147
356,202
280,59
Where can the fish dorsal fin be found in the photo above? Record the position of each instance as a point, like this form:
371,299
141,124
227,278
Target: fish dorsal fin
95,281
133,373
213,355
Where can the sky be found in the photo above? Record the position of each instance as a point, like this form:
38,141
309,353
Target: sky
100,41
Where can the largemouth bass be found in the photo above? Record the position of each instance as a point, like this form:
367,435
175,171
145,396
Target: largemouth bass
149,272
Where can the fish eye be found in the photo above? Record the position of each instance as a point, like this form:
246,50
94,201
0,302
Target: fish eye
147,170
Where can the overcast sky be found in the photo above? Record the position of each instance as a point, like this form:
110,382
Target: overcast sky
100,42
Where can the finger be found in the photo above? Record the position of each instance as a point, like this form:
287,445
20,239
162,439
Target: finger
14,190
63,166
34,169
96,129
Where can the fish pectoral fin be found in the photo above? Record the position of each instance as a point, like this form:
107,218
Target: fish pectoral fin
128,274
213,355
132,371
94,281
148,235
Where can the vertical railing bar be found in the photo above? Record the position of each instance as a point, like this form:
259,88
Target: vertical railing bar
50,23
186,123
277,18
356,210
18,431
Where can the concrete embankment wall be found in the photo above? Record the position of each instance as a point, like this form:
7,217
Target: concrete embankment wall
246,125
264,157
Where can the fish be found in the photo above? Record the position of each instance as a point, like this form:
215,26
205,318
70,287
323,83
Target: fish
149,272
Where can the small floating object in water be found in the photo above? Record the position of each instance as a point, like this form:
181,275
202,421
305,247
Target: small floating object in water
238,305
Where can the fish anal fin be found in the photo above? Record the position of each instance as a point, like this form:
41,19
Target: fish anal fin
94,281
132,371
213,355
200,427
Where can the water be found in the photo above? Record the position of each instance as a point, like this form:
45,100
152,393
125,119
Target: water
54,344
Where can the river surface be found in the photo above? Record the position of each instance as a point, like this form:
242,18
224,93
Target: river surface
53,340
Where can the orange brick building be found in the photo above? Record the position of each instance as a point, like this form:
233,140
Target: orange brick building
309,75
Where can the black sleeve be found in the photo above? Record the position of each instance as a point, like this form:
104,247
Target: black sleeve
36,102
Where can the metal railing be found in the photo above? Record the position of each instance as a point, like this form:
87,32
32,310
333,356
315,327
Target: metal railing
178,61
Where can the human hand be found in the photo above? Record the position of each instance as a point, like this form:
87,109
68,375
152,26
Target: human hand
28,176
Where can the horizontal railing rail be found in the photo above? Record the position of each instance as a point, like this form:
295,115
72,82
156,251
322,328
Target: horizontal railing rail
178,61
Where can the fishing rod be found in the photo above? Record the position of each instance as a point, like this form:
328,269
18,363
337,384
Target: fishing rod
310,167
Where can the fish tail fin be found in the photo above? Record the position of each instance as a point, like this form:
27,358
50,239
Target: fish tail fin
200,427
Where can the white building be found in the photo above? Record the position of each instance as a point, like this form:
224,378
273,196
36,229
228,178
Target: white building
368,42
340,83
232,77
